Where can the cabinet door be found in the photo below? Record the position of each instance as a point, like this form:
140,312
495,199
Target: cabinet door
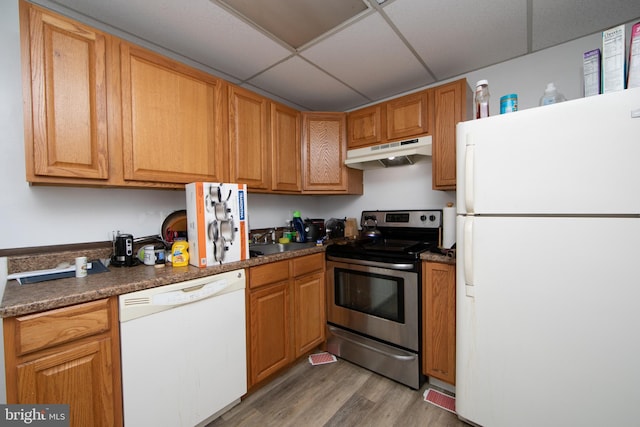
325,149
310,318
66,115
408,115
450,107
366,127
439,321
172,120
285,148
249,145
79,376
270,330
68,355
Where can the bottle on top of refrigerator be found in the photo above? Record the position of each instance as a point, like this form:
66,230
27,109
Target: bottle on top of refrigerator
551,95
481,99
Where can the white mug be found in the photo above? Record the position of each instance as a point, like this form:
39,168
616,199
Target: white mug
81,266
149,255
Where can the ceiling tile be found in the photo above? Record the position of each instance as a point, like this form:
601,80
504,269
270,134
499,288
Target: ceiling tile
456,36
302,83
297,22
371,58
197,29
551,26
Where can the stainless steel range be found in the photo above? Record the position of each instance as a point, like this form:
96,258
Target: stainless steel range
374,292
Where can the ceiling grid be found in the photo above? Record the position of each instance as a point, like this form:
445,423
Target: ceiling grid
384,49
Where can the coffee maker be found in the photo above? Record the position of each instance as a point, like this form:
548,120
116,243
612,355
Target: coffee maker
123,251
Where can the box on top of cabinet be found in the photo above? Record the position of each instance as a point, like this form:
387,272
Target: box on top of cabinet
217,227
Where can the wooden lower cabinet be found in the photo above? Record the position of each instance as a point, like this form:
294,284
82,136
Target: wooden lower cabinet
68,356
286,313
439,321
309,312
270,335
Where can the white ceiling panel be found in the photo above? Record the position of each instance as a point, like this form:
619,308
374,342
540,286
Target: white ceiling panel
298,81
197,29
550,22
370,57
455,35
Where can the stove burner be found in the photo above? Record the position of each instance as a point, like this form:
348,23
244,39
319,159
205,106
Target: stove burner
404,235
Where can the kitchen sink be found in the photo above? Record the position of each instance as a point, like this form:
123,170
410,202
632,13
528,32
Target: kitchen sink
261,249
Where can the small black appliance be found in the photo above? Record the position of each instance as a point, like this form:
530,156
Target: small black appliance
123,251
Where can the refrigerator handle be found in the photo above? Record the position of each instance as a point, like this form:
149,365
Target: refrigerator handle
468,257
468,175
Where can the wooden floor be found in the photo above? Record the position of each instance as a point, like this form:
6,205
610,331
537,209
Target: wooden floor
335,394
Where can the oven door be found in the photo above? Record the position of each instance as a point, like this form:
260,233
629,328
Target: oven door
380,302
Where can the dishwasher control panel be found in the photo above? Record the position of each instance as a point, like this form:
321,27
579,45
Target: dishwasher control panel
148,301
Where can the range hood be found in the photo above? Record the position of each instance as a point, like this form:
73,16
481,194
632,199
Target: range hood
397,153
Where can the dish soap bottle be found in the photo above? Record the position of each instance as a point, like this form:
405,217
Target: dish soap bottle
179,253
298,225
551,95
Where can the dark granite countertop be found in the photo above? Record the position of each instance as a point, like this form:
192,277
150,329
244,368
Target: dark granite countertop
30,298
35,297
434,257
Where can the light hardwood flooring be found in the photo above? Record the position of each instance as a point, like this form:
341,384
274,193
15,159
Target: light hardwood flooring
336,394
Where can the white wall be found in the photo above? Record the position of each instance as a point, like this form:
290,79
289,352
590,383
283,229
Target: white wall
37,215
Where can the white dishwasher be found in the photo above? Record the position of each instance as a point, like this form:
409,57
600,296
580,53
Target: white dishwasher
183,351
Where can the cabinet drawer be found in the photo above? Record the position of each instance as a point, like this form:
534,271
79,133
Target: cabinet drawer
268,273
50,328
308,264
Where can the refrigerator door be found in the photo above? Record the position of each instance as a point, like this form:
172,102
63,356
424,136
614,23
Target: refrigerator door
547,321
576,157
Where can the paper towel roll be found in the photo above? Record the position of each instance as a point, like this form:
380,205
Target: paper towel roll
448,226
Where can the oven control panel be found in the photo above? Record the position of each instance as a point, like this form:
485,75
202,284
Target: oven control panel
410,218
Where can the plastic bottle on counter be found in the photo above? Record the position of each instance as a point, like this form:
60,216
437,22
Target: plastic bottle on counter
551,95
179,253
481,99
298,225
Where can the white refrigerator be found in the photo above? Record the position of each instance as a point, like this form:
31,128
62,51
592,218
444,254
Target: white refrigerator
548,266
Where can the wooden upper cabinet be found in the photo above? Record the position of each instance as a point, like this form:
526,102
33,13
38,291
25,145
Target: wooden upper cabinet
366,126
452,104
285,148
172,118
409,115
249,139
324,151
65,97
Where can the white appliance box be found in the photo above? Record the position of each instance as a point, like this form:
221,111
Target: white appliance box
217,223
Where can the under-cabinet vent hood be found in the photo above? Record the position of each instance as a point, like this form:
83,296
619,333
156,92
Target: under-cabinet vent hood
397,153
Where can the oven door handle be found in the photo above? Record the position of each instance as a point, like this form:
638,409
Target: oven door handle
401,357
391,265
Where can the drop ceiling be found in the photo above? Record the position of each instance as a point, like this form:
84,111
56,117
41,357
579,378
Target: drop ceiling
388,48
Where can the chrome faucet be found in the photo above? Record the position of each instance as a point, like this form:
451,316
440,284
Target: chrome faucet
265,236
